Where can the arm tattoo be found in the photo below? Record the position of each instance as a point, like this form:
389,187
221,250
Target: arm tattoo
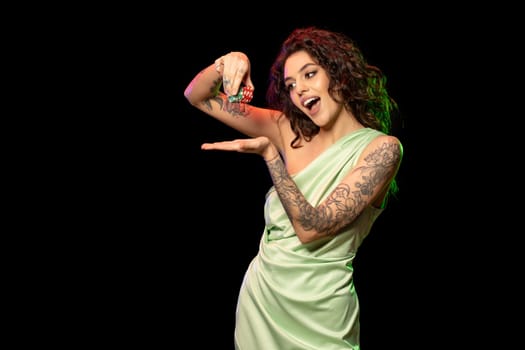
345,202
236,109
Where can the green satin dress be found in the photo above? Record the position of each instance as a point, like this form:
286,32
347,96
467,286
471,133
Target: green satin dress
301,296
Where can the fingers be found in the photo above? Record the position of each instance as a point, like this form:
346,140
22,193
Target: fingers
248,82
235,72
255,145
222,146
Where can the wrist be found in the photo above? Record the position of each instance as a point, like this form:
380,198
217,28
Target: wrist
271,158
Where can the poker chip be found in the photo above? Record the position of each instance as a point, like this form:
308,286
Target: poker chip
245,95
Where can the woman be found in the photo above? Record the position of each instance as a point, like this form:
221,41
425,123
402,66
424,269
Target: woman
325,139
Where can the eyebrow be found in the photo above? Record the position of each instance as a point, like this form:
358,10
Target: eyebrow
300,70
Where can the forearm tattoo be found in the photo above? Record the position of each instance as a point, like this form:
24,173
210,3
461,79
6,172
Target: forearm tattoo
236,109
345,202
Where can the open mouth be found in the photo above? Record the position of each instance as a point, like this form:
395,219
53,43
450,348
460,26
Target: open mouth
309,103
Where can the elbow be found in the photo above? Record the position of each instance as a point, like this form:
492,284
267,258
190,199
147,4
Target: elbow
304,240
306,237
187,95
193,98
310,236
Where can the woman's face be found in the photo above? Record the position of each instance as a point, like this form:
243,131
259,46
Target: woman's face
307,84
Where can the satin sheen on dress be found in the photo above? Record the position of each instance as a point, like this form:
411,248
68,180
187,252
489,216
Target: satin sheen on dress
301,296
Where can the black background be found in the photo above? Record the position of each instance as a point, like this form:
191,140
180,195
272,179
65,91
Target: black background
174,228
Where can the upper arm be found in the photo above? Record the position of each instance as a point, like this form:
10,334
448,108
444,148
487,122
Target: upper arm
370,179
366,184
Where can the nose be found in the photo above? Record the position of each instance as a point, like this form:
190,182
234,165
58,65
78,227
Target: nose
300,88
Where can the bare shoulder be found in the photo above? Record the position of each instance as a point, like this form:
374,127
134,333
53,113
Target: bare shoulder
389,139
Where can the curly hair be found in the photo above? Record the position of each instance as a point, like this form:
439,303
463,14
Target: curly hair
359,86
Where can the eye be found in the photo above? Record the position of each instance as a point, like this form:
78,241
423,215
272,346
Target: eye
290,87
310,74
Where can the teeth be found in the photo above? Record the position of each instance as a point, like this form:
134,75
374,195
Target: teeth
308,101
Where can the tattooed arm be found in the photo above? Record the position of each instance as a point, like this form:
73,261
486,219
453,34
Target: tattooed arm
204,92
366,184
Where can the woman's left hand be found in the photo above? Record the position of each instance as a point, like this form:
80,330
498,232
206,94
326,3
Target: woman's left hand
259,145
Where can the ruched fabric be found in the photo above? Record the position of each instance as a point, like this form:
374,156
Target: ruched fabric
298,296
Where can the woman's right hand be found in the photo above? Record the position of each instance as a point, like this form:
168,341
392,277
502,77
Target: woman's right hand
235,70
